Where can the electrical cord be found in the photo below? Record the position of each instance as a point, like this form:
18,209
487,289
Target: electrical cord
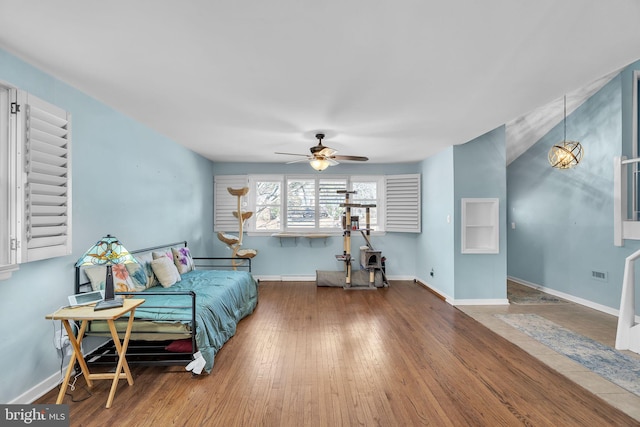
61,351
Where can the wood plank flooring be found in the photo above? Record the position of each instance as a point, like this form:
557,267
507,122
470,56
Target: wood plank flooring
313,356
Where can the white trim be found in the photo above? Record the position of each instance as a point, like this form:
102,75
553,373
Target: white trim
619,199
276,278
634,112
628,332
634,143
308,278
400,277
495,301
7,270
40,389
480,229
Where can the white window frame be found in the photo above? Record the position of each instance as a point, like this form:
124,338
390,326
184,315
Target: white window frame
316,204
380,198
251,201
8,260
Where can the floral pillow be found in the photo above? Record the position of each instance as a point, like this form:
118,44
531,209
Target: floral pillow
142,273
183,260
122,281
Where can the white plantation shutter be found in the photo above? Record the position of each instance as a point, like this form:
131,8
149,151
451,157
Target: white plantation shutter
224,204
46,179
402,203
328,191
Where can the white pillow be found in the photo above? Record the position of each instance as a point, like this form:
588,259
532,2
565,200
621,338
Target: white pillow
166,271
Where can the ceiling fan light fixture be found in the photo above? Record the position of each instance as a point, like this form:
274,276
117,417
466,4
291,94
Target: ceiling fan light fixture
319,164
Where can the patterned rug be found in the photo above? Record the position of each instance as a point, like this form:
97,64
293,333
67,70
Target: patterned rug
605,361
525,295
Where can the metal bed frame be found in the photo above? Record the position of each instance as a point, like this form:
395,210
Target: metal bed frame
153,353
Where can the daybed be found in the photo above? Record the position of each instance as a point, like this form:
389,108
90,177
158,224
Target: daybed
191,304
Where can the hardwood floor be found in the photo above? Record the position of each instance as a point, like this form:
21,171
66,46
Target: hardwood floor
313,356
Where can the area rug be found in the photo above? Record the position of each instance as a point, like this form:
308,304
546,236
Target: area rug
536,299
605,361
524,295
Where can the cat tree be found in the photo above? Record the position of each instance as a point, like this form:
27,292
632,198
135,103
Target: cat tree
235,242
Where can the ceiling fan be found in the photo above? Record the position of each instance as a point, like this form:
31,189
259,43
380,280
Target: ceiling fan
322,157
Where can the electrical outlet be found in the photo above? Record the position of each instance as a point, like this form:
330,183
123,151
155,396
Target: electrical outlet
60,339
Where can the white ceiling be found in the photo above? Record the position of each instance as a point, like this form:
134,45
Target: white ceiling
396,81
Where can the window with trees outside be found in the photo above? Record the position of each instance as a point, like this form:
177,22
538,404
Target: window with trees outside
308,203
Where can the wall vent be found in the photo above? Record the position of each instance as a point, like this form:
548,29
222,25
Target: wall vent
599,275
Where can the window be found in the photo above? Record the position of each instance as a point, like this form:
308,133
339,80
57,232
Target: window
268,205
314,204
35,177
368,192
311,203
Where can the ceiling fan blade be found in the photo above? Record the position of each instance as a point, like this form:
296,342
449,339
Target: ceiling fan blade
326,152
293,154
297,161
355,158
331,161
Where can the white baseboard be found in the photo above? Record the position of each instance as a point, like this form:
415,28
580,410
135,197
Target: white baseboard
305,278
484,301
308,278
39,390
412,278
454,302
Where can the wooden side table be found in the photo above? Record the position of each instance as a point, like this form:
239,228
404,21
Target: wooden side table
85,314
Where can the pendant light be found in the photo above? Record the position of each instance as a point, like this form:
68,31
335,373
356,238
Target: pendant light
566,154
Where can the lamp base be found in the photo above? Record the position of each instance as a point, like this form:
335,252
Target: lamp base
106,304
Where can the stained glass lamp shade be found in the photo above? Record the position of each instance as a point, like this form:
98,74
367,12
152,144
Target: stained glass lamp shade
107,251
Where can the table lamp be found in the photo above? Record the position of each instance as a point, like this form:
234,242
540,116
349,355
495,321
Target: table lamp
107,251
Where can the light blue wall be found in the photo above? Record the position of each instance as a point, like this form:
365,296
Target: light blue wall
479,171
128,181
303,257
436,243
564,218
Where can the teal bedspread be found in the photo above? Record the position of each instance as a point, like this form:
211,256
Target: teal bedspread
223,298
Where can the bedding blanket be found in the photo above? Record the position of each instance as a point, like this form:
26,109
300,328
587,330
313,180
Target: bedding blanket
223,298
